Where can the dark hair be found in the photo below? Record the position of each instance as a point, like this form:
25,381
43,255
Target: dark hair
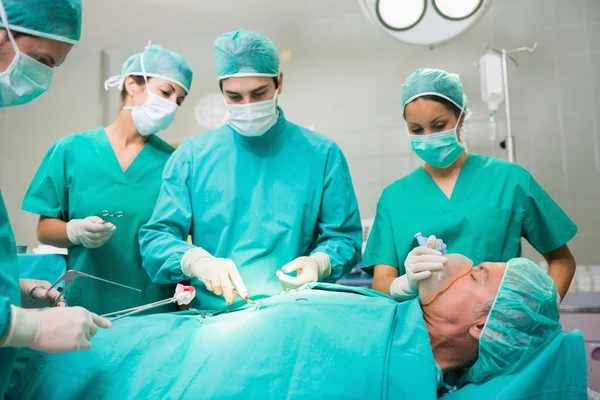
275,80
139,79
450,106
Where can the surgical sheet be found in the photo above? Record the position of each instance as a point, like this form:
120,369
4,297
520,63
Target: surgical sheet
311,344
330,342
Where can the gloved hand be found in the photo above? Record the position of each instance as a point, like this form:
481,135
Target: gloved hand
418,264
220,275
310,269
53,330
91,232
35,294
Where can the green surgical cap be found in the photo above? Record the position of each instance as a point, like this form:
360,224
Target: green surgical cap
243,53
434,82
53,19
522,321
158,63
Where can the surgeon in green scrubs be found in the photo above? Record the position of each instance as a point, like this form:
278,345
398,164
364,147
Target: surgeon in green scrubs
480,206
94,190
35,37
269,204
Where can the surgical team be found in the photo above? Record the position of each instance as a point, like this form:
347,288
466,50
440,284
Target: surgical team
267,203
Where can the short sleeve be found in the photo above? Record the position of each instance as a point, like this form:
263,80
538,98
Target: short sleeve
380,246
546,226
48,192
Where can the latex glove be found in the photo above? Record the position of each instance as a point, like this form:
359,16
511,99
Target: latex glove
35,294
220,275
419,264
91,232
53,330
310,269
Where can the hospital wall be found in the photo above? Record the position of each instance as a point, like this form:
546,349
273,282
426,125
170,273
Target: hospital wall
344,80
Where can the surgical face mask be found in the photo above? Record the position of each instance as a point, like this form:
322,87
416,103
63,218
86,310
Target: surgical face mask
439,150
25,78
156,114
253,119
456,267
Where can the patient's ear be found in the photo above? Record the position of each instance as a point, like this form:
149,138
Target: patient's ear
477,328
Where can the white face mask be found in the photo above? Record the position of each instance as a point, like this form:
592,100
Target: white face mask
253,119
156,114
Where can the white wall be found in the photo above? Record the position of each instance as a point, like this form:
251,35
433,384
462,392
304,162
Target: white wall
344,79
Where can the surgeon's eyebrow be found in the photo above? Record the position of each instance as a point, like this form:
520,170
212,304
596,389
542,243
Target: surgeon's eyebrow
260,88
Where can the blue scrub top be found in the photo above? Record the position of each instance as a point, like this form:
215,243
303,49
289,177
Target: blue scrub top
261,201
493,205
9,292
80,176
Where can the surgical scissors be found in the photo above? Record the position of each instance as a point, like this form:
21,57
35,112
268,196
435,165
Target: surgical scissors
107,216
71,274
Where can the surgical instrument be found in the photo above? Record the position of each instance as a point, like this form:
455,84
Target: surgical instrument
71,274
183,295
107,216
251,302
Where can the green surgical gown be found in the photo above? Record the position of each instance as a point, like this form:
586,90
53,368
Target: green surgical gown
261,201
494,204
79,177
9,292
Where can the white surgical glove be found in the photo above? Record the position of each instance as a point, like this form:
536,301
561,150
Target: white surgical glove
91,232
310,269
35,294
220,275
419,264
53,330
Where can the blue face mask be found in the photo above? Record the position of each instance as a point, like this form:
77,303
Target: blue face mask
440,150
25,78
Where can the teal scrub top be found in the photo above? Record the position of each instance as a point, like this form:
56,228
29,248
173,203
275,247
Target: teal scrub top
261,201
494,204
9,293
79,177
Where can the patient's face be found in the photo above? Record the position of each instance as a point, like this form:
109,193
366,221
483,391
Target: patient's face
458,304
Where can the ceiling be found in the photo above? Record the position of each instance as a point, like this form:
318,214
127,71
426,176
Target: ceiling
122,24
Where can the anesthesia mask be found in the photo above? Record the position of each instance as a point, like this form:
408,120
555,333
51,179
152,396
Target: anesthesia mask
456,267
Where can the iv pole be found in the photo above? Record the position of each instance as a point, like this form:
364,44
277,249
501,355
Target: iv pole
510,139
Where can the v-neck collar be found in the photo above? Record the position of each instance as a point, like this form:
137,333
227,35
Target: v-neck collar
461,185
133,167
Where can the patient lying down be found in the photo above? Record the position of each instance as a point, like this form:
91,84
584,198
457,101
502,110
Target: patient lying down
326,341
498,314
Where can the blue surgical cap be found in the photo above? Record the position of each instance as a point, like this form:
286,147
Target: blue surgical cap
53,19
158,63
243,53
434,82
522,321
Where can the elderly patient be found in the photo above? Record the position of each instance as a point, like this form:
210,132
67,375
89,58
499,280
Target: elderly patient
499,314
325,341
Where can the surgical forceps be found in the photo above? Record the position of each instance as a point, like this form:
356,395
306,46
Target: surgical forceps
70,275
107,216
183,295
